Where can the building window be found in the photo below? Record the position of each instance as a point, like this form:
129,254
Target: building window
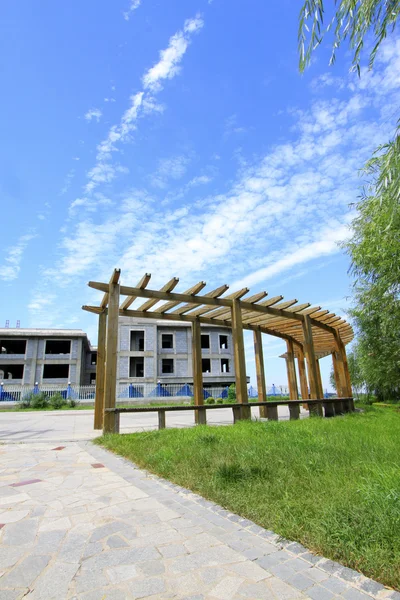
136,366
55,371
167,340
206,365
223,342
58,347
12,346
167,365
205,341
224,365
137,341
93,360
12,371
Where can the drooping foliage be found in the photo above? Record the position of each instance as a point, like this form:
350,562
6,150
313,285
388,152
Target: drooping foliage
374,246
352,21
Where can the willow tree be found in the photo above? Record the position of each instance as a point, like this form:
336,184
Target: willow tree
374,247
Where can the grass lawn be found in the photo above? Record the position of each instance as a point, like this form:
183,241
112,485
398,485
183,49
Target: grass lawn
331,484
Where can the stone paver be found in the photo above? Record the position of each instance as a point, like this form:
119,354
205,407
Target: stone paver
119,533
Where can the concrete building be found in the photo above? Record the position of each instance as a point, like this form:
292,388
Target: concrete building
160,352
45,356
150,352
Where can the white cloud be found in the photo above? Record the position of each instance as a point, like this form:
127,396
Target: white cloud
283,210
93,113
169,168
11,266
199,180
168,65
141,102
231,126
67,182
325,244
133,6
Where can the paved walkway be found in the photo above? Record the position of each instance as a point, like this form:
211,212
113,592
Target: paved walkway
77,425
77,522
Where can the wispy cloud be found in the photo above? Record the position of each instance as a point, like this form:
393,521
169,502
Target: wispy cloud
199,180
93,113
133,6
231,126
67,182
11,266
281,211
326,243
169,168
142,103
169,64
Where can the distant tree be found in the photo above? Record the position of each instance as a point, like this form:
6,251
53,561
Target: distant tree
374,247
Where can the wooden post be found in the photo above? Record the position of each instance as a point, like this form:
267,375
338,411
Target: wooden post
116,417
200,416
262,392
110,383
161,419
311,362
339,404
292,380
272,412
319,378
302,376
100,367
343,367
240,361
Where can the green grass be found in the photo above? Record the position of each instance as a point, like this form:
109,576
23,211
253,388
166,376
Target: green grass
331,484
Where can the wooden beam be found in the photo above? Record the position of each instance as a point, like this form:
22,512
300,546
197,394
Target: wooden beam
213,294
110,384
93,309
100,372
239,356
168,287
259,358
141,285
155,295
219,311
204,320
195,289
302,375
114,279
197,372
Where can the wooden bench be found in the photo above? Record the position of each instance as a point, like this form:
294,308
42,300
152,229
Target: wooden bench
328,407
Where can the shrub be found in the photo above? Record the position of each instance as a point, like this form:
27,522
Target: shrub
25,402
232,393
57,401
210,400
72,403
220,400
39,401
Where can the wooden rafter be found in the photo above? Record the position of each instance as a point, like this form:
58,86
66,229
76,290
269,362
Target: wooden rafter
168,287
141,285
278,317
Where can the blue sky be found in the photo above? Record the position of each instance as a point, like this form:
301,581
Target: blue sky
178,138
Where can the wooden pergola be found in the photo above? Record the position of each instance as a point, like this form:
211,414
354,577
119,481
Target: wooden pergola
309,331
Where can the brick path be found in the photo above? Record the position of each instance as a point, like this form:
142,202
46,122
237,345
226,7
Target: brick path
79,523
